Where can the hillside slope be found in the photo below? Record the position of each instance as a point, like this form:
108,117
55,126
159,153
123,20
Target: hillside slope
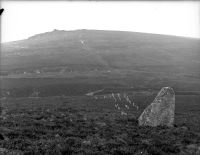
101,48
100,59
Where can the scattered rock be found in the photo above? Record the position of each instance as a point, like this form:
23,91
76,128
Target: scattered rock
184,128
57,136
87,142
161,111
101,124
145,141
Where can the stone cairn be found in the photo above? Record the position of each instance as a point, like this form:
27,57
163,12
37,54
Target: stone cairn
161,111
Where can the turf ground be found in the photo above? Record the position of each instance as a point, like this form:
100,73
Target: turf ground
85,125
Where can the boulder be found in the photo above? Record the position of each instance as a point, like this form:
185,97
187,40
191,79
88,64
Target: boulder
161,111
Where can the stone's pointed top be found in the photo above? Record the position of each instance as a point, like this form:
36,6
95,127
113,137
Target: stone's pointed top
166,91
161,110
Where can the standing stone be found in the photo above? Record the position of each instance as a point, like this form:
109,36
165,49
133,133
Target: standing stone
161,110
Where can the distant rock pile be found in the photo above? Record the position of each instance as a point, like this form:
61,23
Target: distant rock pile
161,110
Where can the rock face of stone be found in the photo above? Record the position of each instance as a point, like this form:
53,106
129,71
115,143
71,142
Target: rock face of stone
161,111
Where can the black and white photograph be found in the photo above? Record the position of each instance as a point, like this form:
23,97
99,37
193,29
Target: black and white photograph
100,78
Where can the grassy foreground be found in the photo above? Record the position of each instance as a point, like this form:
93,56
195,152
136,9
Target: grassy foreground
83,125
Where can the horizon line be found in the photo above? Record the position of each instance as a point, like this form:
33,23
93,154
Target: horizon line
169,35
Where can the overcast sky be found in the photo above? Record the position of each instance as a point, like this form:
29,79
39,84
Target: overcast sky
23,19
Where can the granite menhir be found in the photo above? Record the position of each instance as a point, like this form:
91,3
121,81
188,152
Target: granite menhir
161,111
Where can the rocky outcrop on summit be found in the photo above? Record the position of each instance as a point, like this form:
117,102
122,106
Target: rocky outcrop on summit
161,110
